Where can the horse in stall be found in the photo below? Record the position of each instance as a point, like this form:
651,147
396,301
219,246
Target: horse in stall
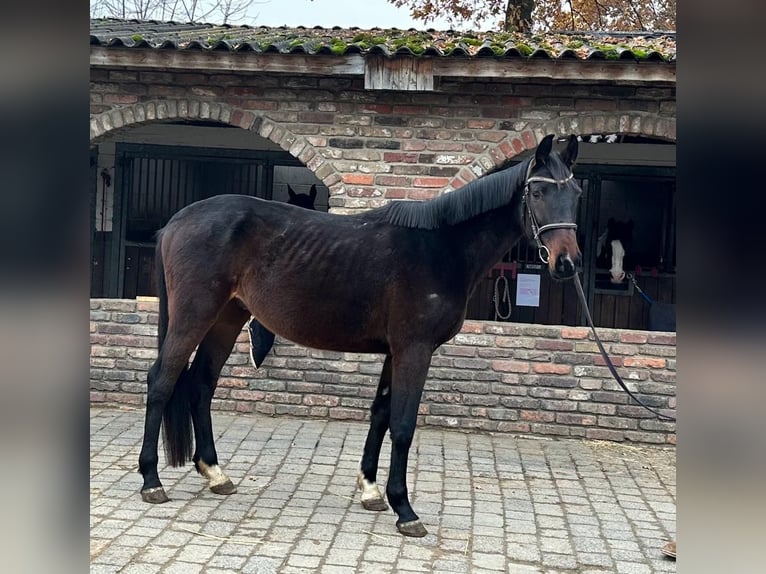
394,280
613,247
261,339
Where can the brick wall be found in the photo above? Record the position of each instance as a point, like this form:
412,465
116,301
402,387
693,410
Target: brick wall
372,146
504,377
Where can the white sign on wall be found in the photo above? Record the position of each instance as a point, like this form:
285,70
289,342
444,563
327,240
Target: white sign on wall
527,290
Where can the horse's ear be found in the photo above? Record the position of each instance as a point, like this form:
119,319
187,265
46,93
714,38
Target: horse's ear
313,192
544,150
290,191
569,155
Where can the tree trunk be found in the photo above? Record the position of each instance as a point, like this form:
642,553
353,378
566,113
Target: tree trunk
518,16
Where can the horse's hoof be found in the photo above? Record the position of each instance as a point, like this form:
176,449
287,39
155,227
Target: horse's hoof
224,488
154,495
375,504
413,528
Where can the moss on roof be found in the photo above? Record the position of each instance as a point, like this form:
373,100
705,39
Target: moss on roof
340,41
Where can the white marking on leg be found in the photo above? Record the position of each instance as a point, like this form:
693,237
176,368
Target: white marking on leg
370,490
213,473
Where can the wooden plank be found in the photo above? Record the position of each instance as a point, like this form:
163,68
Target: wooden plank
401,73
557,69
325,65
372,66
622,312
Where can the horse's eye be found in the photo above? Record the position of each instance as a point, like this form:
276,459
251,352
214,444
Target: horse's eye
537,194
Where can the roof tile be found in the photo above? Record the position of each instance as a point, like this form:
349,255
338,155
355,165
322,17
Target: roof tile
109,32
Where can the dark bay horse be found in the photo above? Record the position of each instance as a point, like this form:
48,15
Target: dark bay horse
394,280
261,339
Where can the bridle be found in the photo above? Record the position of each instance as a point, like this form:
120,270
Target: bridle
542,251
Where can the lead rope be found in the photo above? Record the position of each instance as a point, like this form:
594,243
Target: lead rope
608,361
505,298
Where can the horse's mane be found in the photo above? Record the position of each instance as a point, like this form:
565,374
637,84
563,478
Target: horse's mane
492,190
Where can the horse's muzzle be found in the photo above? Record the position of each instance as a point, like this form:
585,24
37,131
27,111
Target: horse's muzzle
565,267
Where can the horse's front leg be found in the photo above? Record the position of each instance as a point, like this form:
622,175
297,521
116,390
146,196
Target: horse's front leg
410,368
372,499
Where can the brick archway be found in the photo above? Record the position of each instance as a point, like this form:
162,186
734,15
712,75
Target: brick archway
153,111
625,123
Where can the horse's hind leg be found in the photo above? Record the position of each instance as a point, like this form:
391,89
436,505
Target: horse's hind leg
211,355
372,499
410,367
169,388
167,383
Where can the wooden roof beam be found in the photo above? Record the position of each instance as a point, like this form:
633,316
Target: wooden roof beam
380,72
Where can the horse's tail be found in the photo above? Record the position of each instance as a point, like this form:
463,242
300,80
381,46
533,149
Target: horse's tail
176,418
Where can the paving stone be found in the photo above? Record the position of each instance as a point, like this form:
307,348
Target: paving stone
490,503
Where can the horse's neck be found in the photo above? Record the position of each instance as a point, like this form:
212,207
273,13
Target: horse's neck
483,240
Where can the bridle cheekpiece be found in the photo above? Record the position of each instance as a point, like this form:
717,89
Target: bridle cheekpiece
542,251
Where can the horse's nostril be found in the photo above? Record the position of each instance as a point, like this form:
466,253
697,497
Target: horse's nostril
565,264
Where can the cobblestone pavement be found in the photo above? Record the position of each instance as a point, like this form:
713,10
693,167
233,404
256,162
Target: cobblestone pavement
491,503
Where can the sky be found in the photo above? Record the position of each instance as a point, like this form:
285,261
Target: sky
328,13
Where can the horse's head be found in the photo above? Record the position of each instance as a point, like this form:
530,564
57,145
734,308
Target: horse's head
550,202
613,247
302,199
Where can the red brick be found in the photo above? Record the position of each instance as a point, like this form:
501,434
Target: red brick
537,416
260,105
321,401
358,178
529,140
399,157
554,345
241,407
658,339
507,149
430,181
395,193
247,395
507,366
378,108
472,327
422,194
572,419
599,360
410,110
480,124
574,333
120,98
507,426
345,414
234,383
550,368
413,145
242,119
633,337
653,363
